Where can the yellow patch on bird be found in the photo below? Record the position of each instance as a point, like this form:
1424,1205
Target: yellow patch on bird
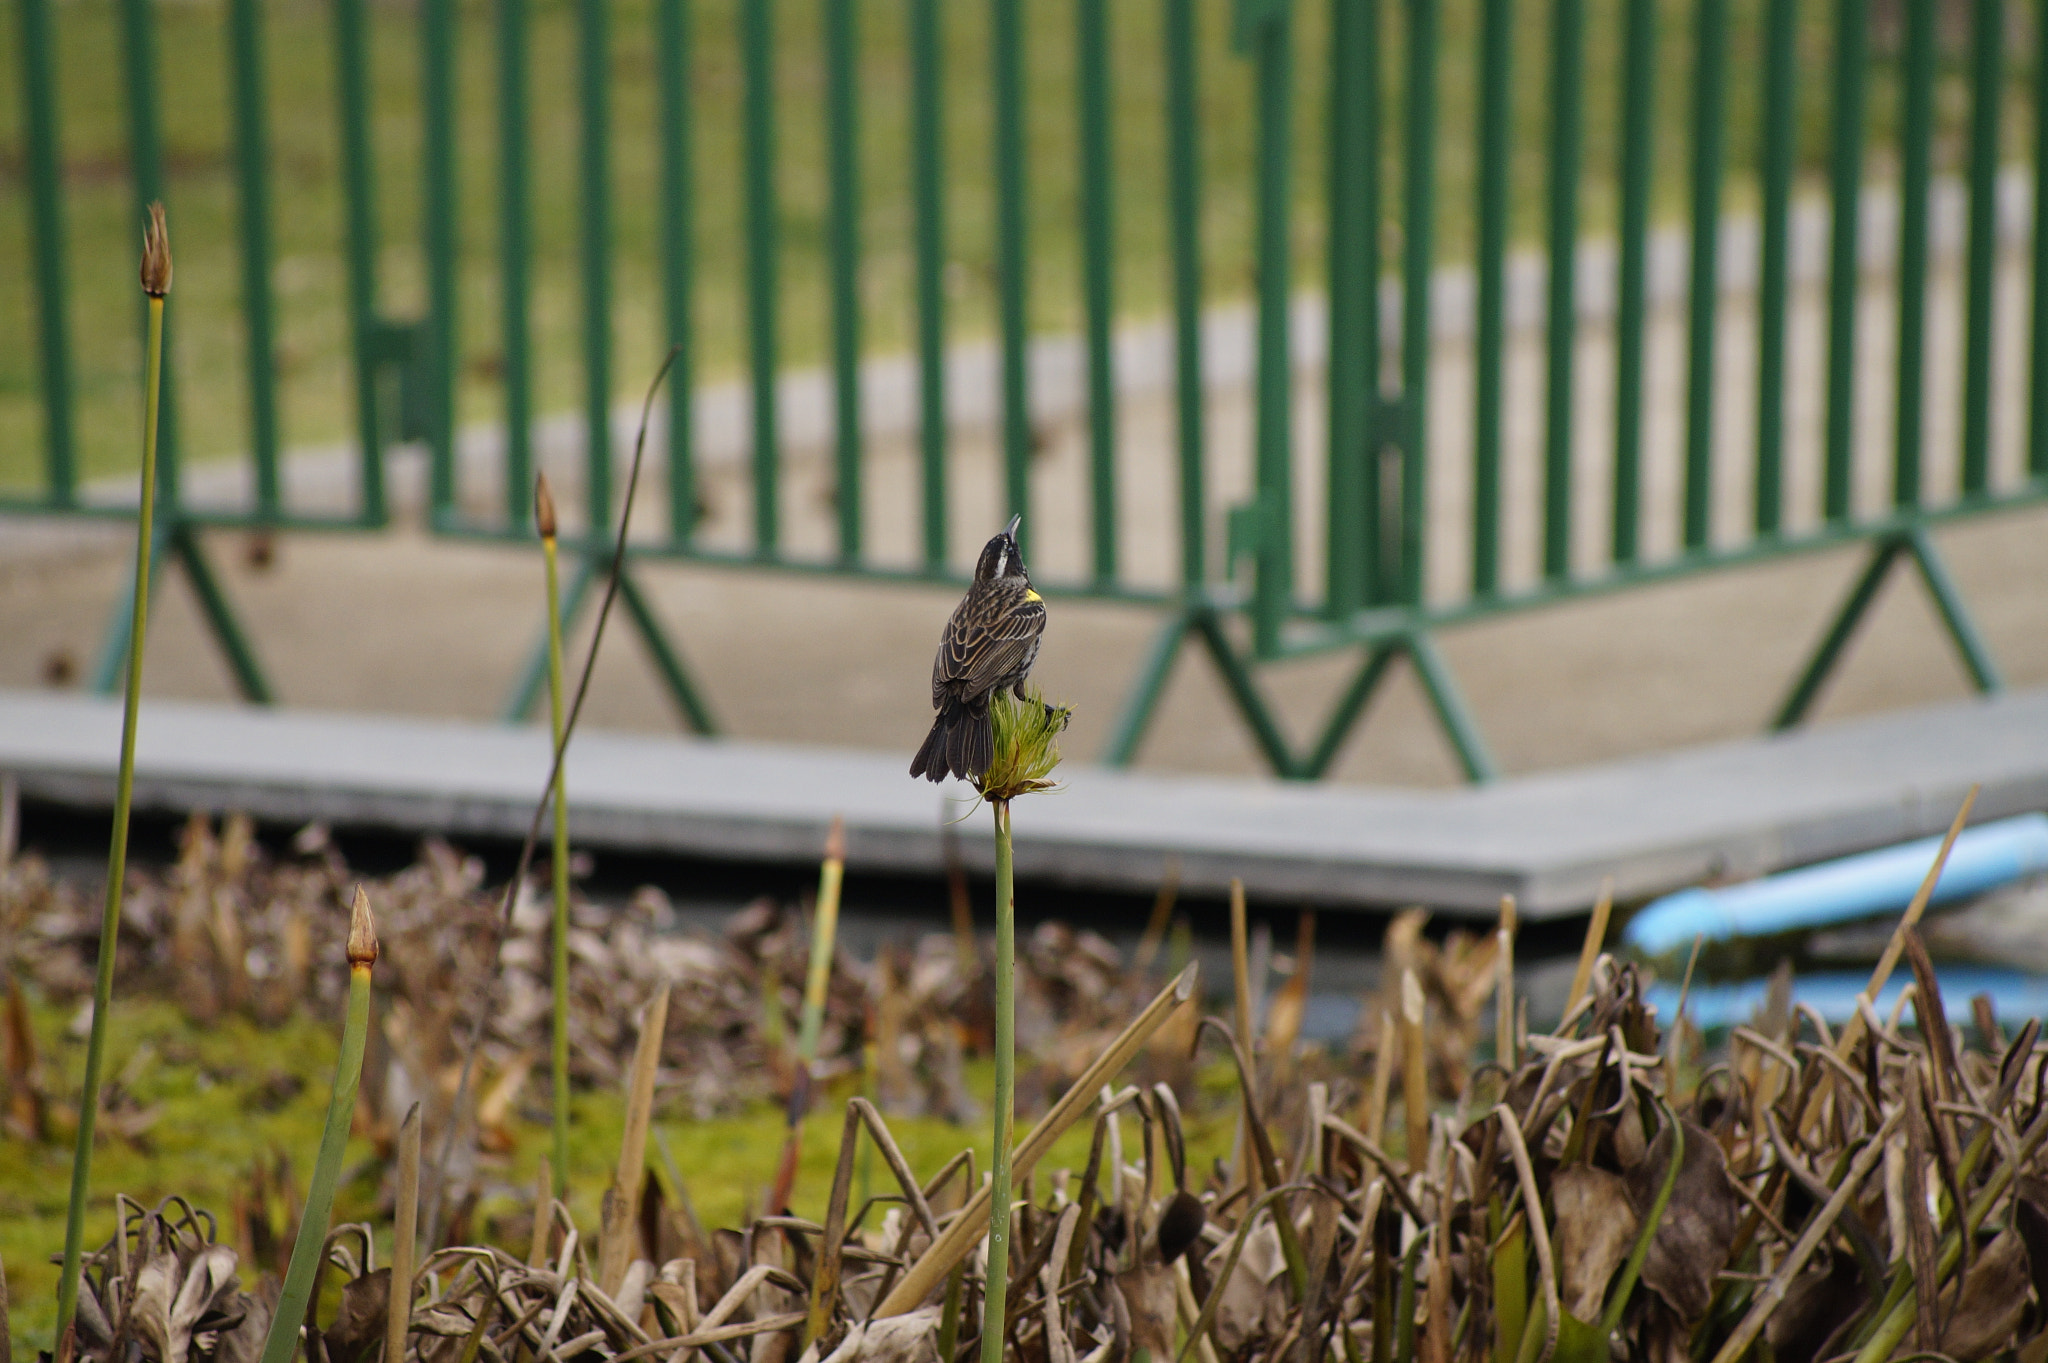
1030,595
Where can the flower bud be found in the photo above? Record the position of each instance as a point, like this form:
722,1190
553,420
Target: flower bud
543,507
362,933
156,254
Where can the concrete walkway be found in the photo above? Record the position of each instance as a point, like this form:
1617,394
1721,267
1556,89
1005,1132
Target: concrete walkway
1652,824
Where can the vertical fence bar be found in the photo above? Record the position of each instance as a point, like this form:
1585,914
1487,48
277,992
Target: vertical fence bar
843,149
1379,549
1567,69
2037,388
352,88
1098,243
46,224
1185,205
252,156
1710,101
1496,104
1352,375
1845,184
678,261
1780,131
1273,44
1007,36
594,42
1988,58
146,152
1917,54
758,42
515,251
1418,268
438,201
928,156
1638,86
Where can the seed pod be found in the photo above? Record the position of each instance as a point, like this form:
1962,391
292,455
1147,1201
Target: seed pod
156,254
543,507
362,933
1180,1225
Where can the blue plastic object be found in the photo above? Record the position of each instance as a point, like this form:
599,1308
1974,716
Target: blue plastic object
1833,994
1841,891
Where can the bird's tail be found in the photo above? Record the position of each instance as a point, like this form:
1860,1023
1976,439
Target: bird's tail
962,743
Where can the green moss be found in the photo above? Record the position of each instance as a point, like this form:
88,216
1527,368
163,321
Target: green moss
220,1096
228,1094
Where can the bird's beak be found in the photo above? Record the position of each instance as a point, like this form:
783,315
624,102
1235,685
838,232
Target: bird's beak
1011,528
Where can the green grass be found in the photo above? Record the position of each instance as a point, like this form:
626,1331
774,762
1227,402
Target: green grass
102,223
230,1093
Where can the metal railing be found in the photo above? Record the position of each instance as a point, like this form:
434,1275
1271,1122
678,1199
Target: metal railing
1330,550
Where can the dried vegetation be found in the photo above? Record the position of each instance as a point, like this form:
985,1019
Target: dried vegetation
1873,1193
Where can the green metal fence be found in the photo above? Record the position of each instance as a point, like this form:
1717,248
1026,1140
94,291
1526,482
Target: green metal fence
1349,168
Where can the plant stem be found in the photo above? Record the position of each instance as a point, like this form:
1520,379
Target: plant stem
117,851
405,1237
283,1341
993,1302
824,937
560,868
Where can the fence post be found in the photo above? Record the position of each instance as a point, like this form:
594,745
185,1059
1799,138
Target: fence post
1419,272
1098,243
46,224
515,248
1006,34
594,77
1352,380
1496,44
439,199
1846,180
352,87
1775,171
1567,81
1270,35
1185,199
1639,74
842,144
1709,138
252,154
927,149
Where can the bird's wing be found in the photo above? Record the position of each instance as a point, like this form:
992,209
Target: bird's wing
980,652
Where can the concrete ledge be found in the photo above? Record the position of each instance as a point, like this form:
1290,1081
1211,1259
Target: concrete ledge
1652,824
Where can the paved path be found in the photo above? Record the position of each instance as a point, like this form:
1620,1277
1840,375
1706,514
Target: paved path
1652,824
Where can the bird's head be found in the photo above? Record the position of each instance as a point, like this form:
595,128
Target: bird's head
999,557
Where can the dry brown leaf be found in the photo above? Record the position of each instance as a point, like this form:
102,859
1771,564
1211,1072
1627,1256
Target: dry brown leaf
1692,1242
1595,1227
1993,1298
1249,1305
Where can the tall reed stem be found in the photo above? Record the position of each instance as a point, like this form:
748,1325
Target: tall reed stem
156,282
283,1341
1006,1091
544,517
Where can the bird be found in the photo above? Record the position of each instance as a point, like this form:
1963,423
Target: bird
990,643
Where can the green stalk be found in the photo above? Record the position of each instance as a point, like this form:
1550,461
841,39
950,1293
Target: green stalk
544,517
1006,1088
824,934
817,979
156,282
283,1341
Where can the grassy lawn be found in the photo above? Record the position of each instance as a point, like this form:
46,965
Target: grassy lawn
306,214
224,1096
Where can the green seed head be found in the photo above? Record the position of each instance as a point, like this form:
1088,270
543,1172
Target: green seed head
1027,745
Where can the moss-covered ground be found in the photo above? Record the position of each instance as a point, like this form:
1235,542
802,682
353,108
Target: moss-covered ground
218,1099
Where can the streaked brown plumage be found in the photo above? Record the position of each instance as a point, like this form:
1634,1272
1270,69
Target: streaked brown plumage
990,643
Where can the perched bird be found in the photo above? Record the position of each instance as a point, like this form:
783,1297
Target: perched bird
990,643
